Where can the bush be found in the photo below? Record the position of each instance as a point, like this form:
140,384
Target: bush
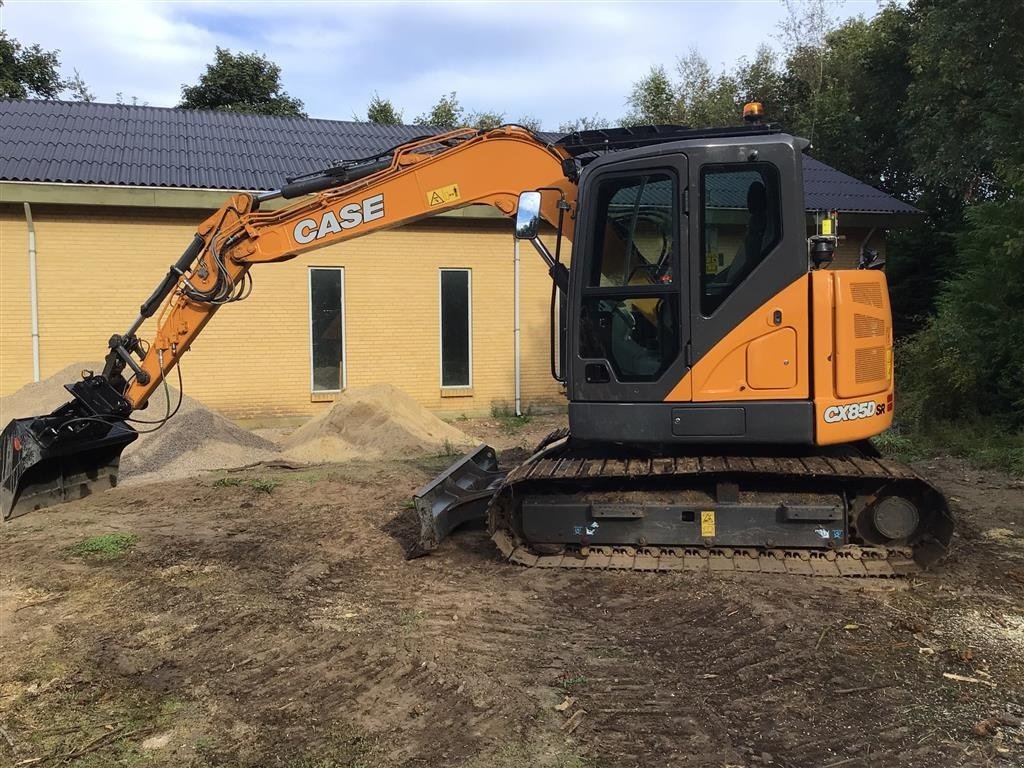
968,360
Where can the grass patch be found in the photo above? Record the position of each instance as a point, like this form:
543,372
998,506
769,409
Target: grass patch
572,683
539,756
107,546
264,486
70,722
507,418
260,485
983,443
409,620
345,748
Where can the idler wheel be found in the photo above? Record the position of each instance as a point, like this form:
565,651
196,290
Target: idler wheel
895,518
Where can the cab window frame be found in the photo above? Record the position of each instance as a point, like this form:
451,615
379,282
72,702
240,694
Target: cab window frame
592,291
770,173
593,270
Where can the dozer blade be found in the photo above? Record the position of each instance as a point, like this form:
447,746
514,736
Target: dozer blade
45,462
459,494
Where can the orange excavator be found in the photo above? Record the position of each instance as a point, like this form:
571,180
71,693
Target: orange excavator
722,383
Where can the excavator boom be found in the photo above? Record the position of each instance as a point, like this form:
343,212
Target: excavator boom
75,450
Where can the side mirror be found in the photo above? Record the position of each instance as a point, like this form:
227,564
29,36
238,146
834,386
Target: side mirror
528,216
869,259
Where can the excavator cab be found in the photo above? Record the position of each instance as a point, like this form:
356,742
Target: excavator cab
680,239
695,434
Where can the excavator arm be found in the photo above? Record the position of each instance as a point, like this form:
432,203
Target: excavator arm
76,449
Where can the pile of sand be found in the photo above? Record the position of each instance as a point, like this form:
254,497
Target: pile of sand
373,421
368,422
197,438
41,397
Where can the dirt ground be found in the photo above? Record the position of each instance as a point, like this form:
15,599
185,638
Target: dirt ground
268,618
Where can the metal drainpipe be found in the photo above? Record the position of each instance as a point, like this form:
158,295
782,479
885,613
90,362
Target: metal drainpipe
515,330
33,291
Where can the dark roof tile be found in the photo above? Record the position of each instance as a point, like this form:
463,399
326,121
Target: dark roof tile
122,144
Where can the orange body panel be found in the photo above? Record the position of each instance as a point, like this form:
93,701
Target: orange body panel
850,359
757,360
489,168
771,360
852,354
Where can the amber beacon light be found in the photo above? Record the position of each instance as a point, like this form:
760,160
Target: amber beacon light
753,112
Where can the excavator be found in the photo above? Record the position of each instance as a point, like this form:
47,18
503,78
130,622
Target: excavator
722,381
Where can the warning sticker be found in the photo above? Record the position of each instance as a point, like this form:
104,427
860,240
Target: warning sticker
707,525
443,195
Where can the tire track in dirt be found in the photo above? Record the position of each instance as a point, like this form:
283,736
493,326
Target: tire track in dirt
707,677
289,625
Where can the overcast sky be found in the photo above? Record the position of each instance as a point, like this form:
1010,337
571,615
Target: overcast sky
553,61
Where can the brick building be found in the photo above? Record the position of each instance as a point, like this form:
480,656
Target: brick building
114,193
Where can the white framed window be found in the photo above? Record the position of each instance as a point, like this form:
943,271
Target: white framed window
456,292
326,329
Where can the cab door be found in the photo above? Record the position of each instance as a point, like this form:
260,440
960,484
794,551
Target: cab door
748,227
629,292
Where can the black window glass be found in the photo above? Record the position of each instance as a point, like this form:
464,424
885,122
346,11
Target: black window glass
455,328
326,328
635,231
638,335
742,223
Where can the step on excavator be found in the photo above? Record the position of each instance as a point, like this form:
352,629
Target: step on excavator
723,381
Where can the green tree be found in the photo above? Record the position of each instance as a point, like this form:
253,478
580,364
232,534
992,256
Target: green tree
528,121
967,59
77,89
584,123
653,100
30,72
701,98
705,99
486,120
243,82
969,358
382,112
805,33
446,114
759,79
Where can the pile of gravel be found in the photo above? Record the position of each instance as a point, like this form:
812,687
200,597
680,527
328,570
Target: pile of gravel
196,439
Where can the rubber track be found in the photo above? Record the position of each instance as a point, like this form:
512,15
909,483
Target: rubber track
848,561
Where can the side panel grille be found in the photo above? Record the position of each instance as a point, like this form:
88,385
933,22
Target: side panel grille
867,293
870,364
867,327
863,334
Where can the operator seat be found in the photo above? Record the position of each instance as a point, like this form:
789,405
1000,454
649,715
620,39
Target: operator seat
757,235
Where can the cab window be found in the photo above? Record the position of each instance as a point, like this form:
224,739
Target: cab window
635,231
629,314
741,224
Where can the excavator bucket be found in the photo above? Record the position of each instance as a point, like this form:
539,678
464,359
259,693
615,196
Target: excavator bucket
459,494
48,460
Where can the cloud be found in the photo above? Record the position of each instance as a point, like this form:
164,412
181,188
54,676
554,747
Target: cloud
555,61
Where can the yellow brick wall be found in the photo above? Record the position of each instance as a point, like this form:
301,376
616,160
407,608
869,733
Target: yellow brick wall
847,254
15,317
96,265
